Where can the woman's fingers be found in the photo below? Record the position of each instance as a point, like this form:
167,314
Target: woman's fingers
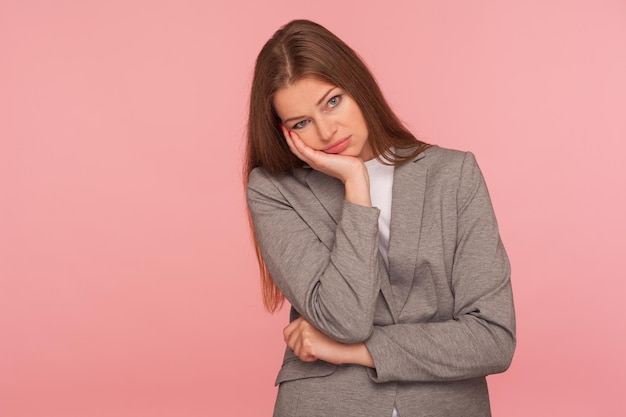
297,146
339,166
297,340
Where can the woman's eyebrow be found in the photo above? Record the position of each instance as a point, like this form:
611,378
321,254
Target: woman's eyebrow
324,96
317,104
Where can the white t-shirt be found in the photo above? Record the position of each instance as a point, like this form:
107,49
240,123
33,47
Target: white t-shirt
381,185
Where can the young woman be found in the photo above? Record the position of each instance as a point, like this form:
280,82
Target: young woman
386,248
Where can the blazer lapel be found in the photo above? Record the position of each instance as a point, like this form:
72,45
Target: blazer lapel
329,191
409,186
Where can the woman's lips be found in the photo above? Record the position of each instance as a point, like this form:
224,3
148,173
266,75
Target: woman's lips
338,147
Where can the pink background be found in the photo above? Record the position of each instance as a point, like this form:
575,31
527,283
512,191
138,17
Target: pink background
128,286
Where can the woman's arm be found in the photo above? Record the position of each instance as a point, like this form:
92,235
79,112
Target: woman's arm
332,284
328,272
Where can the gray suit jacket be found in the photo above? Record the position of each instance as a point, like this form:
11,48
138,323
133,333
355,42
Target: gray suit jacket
436,323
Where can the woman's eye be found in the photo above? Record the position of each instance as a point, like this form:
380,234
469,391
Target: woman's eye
334,101
300,124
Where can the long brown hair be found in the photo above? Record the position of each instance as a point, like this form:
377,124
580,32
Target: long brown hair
304,49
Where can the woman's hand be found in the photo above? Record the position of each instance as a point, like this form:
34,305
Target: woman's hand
338,166
348,169
309,344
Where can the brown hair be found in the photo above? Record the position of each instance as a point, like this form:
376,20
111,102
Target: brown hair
304,49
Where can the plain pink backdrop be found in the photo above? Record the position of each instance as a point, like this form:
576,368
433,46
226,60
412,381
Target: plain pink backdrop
128,286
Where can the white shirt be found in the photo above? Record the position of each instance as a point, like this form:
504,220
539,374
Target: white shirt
381,185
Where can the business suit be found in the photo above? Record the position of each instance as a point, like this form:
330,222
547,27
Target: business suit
435,324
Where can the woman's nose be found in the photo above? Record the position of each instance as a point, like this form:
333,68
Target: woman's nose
326,129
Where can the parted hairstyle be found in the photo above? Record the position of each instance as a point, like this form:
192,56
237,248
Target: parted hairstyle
304,49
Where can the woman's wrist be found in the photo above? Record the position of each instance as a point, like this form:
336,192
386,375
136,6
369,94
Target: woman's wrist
358,354
357,187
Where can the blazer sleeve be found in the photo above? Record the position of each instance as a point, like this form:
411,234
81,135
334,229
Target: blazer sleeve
334,288
480,338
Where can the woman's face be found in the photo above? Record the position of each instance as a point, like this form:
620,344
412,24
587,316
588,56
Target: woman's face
325,117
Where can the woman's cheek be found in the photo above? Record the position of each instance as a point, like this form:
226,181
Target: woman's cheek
309,139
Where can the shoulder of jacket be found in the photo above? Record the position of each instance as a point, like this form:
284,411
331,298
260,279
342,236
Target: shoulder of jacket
443,161
260,178
437,154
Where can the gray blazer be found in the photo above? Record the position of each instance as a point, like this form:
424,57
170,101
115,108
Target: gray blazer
436,323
